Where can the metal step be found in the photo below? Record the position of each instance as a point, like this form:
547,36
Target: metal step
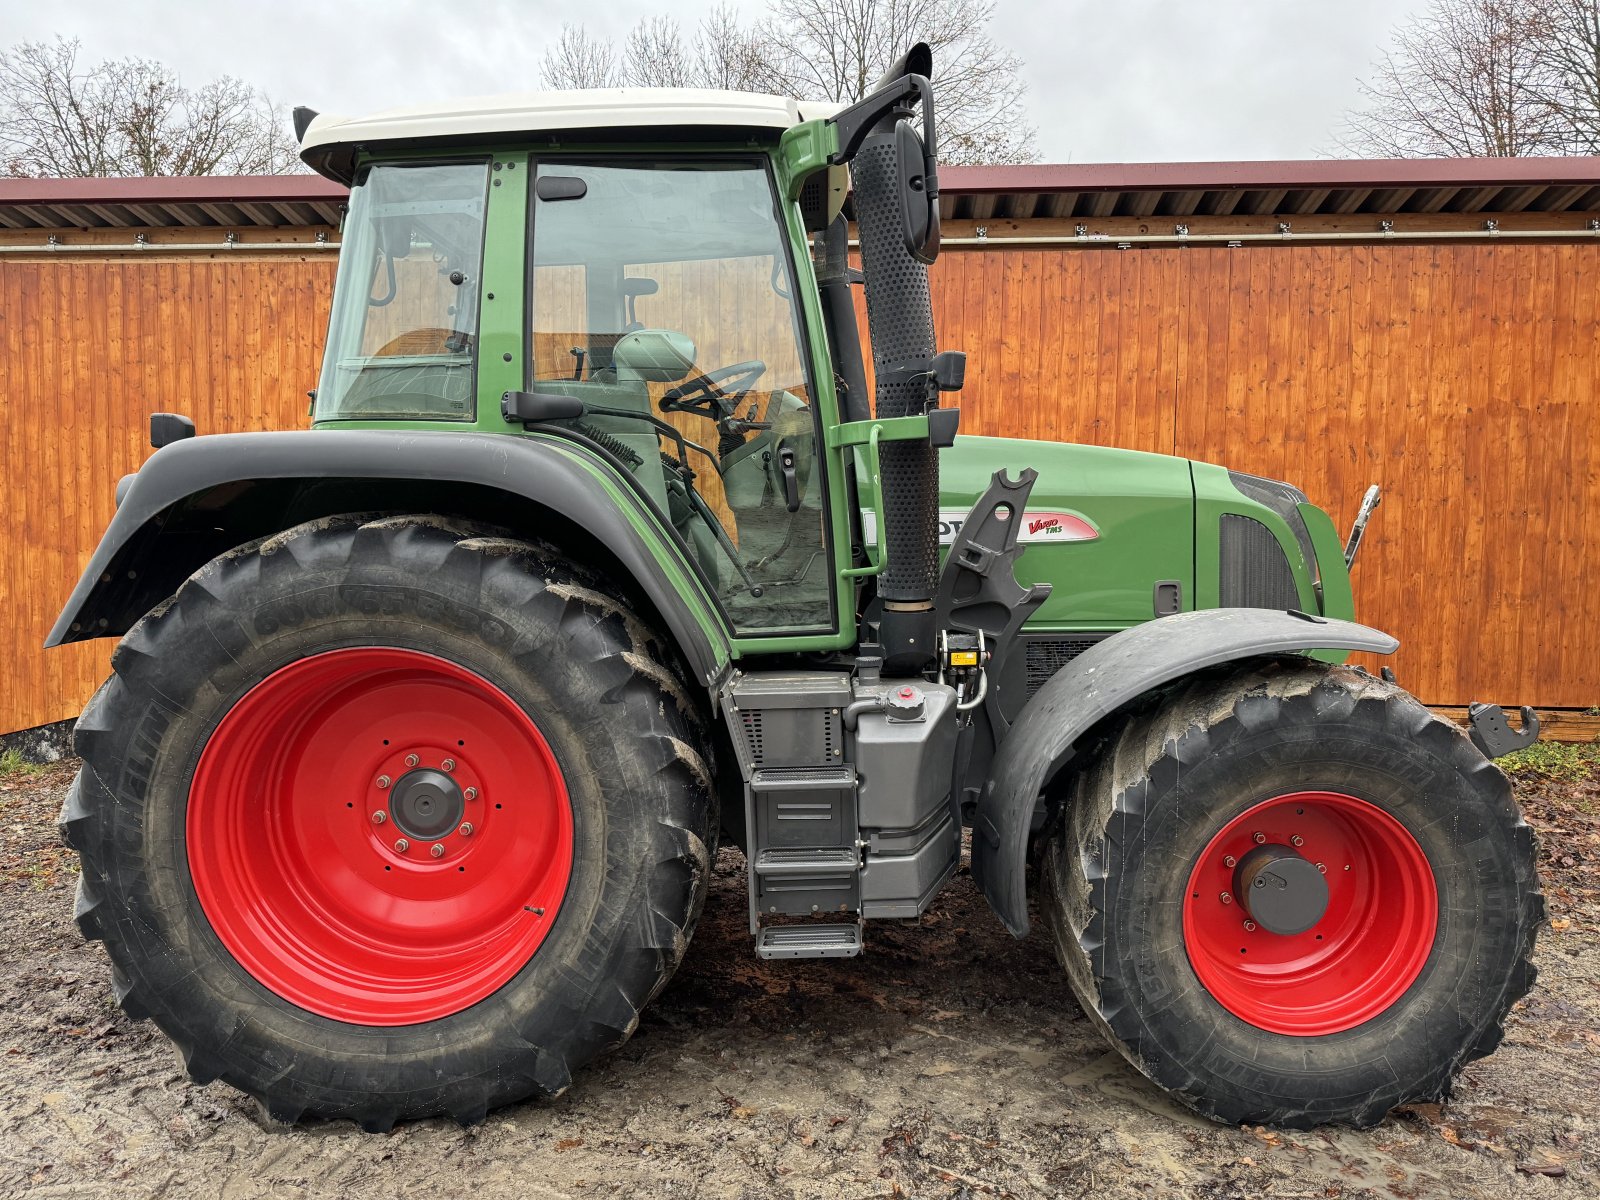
807,860
809,941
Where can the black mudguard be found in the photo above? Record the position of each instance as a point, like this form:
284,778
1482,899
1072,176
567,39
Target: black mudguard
1101,680
193,500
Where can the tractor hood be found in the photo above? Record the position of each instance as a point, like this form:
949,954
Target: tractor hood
1103,526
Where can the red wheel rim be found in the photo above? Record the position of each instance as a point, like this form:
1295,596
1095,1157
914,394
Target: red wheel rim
317,897
1368,947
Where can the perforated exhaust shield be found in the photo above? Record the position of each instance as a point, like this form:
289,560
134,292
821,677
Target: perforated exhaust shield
900,322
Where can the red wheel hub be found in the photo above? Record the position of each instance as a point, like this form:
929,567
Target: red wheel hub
1365,935
379,835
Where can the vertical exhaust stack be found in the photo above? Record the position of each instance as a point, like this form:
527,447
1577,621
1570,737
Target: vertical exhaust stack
900,323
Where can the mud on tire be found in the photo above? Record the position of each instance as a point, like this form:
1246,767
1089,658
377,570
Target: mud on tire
603,691
1121,866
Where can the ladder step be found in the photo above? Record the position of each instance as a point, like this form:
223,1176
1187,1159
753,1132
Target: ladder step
807,860
809,941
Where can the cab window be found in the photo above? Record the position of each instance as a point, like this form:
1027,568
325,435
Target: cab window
403,333
663,297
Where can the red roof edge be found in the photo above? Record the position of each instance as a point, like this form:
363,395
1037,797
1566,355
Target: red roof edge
1292,173
187,189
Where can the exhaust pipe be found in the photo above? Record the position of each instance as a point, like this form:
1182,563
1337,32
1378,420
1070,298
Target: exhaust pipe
900,323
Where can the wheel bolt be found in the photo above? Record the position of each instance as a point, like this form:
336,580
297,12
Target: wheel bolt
1249,926
1225,898
1297,840
1322,868
1228,860
412,760
466,829
472,793
448,764
437,850
402,845
379,817
383,781
1259,837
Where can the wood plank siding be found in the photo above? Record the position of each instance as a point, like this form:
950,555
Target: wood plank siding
1461,376
88,349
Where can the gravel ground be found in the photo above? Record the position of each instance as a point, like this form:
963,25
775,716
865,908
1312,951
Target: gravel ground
948,1061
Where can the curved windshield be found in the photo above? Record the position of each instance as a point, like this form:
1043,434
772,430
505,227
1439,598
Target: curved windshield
405,316
663,298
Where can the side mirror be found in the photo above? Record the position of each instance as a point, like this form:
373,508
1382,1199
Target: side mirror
919,197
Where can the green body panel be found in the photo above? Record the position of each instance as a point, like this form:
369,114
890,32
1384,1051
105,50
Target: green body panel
1141,505
1155,516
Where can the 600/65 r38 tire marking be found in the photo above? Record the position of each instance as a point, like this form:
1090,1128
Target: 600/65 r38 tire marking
379,835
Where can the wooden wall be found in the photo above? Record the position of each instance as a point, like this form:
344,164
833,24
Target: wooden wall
88,350
1460,376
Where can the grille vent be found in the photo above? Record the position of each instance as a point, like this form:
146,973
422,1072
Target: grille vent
1045,658
751,720
1255,570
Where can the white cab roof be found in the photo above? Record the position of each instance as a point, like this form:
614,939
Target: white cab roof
495,117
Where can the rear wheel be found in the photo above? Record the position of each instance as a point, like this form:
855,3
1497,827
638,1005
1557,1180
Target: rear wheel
381,819
1294,896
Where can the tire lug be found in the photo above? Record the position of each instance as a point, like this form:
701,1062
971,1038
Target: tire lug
448,764
1259,838
379,817
466,829
1228,860
437,850
1322,868
1226,898
1297,840
383,781
472,793
402,845
412,760
1249,926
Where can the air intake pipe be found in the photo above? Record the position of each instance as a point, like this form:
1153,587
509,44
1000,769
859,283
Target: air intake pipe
900,323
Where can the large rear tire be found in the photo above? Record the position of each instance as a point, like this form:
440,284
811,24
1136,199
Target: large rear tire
387,818
1294,896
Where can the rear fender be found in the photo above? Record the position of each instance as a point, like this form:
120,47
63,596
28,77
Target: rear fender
199,497
1097,683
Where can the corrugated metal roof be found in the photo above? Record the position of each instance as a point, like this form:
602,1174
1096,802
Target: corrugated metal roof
1092,190
233,201
1330,187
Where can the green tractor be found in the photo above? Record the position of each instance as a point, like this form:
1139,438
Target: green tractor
425,723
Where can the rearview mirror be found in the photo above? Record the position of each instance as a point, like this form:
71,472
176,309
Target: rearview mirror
919,203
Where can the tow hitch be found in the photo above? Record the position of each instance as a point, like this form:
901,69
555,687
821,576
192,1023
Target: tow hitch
1494,737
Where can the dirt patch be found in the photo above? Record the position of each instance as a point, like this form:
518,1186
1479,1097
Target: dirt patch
949,1061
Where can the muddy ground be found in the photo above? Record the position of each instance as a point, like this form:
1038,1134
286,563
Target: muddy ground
949,1061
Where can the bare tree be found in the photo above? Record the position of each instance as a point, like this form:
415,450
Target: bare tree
1466,78
580,60
1568,33
131,116
832,49
722,54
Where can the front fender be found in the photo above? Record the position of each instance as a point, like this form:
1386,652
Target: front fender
198,497
1101,680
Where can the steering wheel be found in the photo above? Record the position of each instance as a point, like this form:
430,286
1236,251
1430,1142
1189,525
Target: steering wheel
705,396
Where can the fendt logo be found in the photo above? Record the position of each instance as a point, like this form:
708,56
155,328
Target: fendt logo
1036,527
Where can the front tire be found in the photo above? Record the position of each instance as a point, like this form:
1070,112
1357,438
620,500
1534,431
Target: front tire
1391,877
381,819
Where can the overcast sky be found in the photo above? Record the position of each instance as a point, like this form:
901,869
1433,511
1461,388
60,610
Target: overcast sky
1108,80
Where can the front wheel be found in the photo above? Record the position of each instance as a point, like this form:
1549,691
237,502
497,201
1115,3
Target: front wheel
1294,896
387,818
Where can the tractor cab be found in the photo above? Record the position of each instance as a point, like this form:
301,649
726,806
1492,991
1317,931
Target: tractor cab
661,320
